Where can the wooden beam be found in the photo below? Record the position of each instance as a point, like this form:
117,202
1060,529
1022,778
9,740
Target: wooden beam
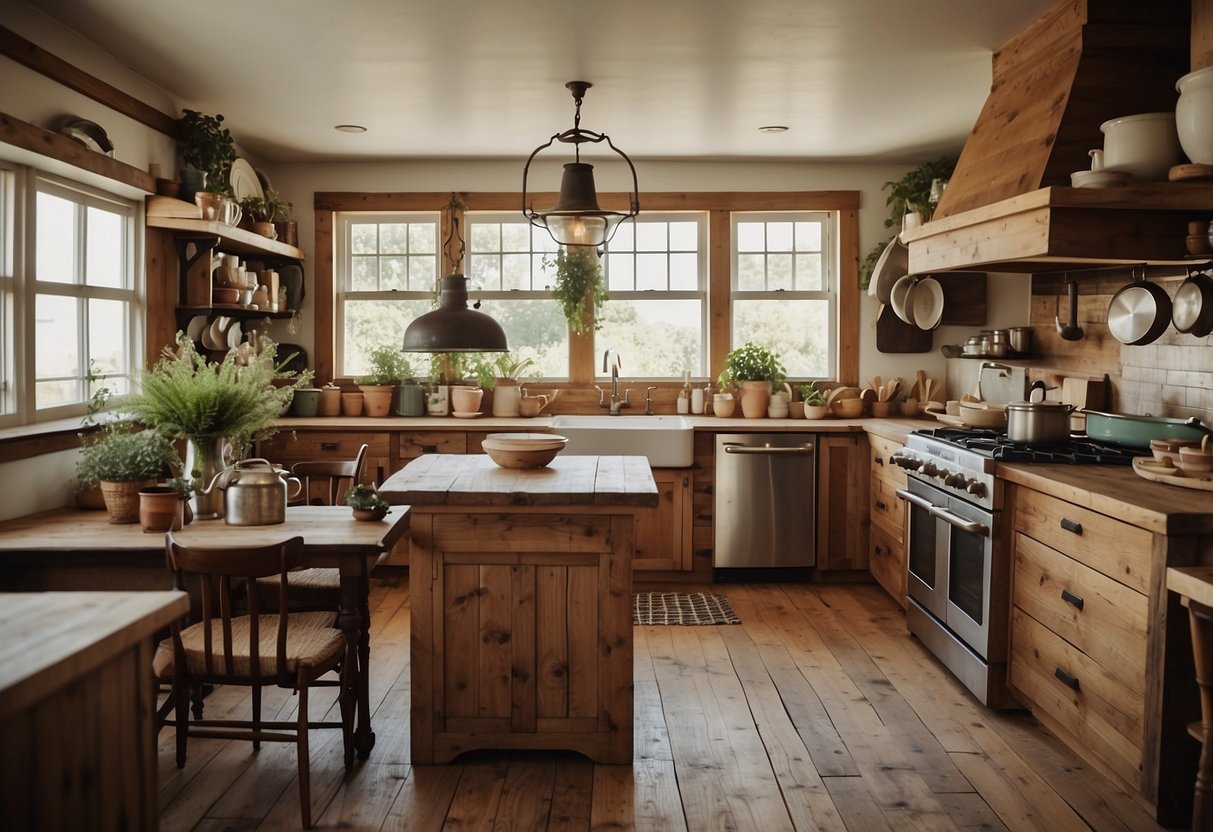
30,137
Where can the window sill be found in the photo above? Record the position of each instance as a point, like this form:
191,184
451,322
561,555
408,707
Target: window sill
25,441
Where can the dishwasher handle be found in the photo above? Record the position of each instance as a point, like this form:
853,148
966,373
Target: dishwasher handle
737,448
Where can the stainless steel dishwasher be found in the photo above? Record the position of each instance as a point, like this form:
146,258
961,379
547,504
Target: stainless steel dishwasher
765,501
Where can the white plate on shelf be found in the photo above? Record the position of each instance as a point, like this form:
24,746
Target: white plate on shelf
195,327
244,181
234,335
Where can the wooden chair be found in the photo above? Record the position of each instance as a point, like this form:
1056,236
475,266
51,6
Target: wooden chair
258,649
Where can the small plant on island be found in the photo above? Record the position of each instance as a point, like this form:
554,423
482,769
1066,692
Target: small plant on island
366,502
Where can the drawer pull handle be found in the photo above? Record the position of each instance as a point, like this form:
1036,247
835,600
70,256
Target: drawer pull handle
429,449
1070,598
880,504
879,460
1066,679
1071,526
328,446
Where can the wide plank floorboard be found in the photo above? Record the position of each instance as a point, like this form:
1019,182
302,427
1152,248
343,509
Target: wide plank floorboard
819,712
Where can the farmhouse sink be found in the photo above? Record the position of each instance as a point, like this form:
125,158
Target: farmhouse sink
667,441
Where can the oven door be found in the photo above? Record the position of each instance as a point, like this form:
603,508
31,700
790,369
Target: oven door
950,561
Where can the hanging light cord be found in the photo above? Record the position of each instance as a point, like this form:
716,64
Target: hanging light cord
448,249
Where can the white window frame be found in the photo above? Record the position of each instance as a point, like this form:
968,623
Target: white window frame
343,273
12,372
701,294
830,274
28,183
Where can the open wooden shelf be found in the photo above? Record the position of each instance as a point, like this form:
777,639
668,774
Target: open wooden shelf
1058,228
232,239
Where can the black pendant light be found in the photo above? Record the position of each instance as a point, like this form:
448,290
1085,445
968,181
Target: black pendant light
576,219
453,327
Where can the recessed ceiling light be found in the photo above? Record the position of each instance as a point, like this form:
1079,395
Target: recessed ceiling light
773,128
350,128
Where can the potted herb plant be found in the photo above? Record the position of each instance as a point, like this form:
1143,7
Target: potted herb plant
500,373
264,212
208,150
366,502
815,406
579,285
388,365
124,460
213,405
756,370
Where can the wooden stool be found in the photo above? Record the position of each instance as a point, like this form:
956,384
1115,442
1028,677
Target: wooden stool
1194,584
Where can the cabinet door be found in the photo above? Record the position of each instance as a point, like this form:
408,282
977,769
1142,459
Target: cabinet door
842,502
661,536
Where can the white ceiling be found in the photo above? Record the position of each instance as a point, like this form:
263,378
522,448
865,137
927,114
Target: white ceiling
881,80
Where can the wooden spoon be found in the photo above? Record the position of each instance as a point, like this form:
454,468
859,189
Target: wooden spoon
891,390
920,388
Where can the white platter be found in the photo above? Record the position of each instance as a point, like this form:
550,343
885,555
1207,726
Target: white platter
244,181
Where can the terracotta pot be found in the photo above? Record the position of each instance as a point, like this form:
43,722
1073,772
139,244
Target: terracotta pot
723,405
377,399
351,404
369,514
160,509
330,401
466,399
265,229
755,396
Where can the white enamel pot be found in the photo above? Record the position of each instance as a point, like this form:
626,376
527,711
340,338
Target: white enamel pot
1145,146
1194,115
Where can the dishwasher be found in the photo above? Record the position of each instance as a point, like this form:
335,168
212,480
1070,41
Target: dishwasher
765,502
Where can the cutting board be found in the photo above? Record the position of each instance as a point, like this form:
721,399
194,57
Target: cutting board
895,335
1084,393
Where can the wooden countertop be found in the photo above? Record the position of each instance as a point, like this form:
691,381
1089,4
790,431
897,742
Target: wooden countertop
50,639
1194,582
1118,492
475,480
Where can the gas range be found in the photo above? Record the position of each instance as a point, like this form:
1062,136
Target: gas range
962,461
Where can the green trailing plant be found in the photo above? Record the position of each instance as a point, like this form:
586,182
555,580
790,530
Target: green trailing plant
911,193
271,208
751,362
363,496
185,397
812,395
388,365
579,285
122,454
207,145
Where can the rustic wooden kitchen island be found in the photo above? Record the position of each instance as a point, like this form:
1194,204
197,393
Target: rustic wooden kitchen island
521,585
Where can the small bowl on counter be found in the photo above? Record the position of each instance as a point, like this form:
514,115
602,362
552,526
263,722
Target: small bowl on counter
1170,448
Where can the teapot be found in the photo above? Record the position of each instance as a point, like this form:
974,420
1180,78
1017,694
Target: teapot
255,492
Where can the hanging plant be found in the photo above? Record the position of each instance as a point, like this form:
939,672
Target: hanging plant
578,282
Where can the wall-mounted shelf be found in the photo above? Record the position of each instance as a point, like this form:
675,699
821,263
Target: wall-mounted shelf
227,237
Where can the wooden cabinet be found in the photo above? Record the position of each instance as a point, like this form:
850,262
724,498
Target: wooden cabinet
842,501
300,445
887,535
1079,632
663,533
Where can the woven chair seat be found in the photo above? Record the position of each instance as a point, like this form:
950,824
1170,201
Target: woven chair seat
312,641
314,578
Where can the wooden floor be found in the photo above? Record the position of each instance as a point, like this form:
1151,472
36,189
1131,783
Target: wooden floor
818,712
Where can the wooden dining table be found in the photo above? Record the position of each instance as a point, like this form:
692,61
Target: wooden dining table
71,549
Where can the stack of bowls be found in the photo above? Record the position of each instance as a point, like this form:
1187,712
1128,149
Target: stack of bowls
523,450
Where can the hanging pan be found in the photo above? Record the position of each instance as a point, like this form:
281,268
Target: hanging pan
1192,307
1139,312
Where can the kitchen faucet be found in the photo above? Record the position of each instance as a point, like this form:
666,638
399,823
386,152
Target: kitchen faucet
610,359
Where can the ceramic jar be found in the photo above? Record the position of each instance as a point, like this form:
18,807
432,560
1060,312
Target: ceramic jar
723,405
1194,115
1145,145
306,402
505,398
330,401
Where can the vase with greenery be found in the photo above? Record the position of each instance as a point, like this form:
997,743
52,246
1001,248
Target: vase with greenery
500,373
366,502
208,147
213,405
579,286
756,370
911,194
124,460
387,366
814,400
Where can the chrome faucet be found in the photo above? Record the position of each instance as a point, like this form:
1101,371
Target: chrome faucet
610,360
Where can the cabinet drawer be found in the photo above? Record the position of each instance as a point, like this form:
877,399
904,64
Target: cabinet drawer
886,509
296,445
1100,712
1100,617
417,442
880,451
1118,550
887,563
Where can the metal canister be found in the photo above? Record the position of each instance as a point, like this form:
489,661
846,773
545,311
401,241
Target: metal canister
1021,339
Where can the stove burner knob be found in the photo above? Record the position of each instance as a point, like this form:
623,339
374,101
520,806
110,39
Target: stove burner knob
976,487
955,480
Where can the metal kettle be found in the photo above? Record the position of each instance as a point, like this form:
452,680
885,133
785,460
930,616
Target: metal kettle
255,492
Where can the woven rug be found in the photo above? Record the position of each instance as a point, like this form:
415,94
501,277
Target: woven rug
682,608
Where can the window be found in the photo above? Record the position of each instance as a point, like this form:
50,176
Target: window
387,274
8,289
84,321
505,263
656,276
784,288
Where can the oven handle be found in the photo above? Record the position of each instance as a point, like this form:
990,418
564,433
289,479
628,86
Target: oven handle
943,514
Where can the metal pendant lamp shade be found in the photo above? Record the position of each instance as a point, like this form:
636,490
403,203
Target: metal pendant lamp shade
576,219
453,327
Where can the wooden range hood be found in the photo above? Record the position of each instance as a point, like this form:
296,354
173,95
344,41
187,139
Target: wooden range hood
1008,206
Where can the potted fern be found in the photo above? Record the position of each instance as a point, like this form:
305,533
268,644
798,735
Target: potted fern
756,371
